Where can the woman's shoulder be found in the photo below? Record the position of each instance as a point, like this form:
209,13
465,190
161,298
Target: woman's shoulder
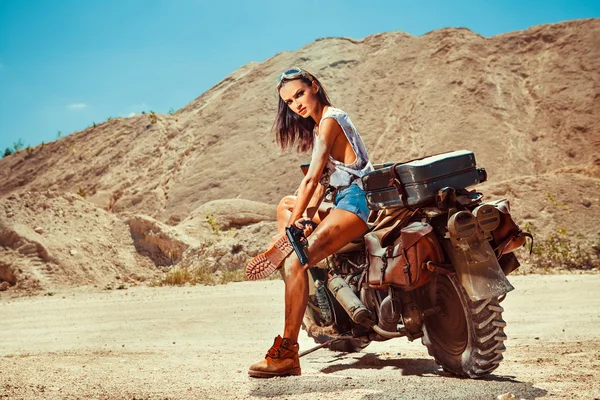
335,110
335,113
341,116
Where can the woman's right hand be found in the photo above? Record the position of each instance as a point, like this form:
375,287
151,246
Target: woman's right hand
306,225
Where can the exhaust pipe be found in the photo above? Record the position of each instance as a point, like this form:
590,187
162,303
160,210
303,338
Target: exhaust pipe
387,334
350,302
356,309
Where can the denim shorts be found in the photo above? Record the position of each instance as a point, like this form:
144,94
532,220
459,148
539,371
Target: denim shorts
352,199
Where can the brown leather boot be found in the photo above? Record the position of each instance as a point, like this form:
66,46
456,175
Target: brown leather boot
266,263
281,360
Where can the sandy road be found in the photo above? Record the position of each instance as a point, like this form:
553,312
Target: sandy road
197,343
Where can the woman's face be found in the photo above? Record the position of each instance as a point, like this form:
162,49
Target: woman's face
300,97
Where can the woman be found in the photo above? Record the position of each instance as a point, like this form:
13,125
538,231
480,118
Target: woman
307,120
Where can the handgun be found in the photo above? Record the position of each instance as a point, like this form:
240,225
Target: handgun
298,240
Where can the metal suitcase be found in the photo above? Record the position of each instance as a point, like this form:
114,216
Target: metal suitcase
421,179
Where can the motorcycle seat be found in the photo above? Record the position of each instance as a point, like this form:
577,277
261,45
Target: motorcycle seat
357,243
352,246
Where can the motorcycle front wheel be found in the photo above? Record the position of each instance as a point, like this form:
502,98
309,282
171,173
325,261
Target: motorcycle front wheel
465,337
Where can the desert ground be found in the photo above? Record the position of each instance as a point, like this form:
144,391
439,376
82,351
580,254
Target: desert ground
197,342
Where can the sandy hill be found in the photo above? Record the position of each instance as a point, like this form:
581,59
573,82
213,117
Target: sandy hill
158,188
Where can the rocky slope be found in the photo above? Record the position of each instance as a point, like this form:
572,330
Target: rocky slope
527,103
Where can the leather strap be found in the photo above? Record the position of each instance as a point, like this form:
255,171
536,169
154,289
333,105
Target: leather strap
406,268
437,269
397,226
395,179
384,260
500,248
397,183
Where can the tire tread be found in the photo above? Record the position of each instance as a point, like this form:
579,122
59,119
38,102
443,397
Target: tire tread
487,338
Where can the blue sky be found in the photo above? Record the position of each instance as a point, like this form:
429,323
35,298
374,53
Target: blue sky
65,64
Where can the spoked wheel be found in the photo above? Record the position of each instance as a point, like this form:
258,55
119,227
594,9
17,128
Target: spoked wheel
465,337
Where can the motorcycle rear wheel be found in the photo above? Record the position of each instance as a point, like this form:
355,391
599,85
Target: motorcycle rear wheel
466,337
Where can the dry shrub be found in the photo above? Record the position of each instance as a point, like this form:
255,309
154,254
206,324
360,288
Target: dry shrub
563,250
237,275
201,275
198,275
183,275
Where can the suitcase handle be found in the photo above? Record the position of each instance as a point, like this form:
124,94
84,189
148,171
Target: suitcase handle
395,181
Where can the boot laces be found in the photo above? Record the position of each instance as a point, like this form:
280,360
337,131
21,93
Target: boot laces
274,352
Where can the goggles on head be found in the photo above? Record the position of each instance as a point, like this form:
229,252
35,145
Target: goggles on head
292,73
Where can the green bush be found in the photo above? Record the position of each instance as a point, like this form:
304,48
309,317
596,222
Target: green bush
562,249
18,145
554,202
214,225
7,152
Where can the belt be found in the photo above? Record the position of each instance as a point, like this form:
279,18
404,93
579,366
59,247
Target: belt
331,191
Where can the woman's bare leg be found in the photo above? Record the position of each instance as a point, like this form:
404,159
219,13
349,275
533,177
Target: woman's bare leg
334,232
284,211
279,248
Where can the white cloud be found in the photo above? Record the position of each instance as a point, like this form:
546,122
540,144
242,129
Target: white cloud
77,106
140,107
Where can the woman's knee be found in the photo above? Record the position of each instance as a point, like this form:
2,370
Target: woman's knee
291,267
286,203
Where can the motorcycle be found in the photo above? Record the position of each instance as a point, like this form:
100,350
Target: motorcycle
433,266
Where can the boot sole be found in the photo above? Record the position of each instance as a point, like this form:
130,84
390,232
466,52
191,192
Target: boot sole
264,374
266,263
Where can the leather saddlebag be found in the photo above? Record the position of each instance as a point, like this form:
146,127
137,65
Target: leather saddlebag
508,237
401,260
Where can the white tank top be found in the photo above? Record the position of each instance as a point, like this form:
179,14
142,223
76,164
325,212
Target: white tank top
336,173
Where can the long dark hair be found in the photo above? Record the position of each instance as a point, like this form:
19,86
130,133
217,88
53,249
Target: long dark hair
292,129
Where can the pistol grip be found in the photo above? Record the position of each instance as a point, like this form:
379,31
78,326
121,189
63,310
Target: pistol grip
295,236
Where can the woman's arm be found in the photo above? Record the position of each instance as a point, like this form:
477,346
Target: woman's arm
315,201
328,132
